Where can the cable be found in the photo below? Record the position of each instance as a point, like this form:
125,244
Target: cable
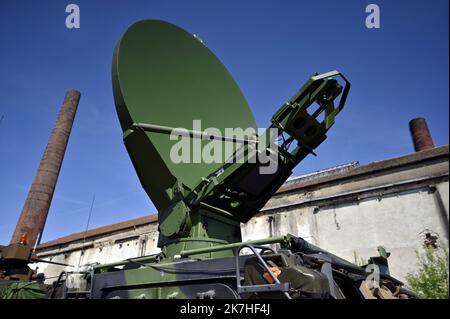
85,232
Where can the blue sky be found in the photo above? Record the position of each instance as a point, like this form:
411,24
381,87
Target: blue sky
398,72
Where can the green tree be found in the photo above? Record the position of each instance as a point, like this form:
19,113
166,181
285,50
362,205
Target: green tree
431,279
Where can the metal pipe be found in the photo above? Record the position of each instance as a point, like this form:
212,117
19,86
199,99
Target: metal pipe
443,213
35,210
217,210
278,239
178,131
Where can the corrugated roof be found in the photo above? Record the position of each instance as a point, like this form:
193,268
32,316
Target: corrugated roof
321,173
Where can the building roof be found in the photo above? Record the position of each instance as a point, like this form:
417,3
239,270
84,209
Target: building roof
319,174
131,223
392,163
351,170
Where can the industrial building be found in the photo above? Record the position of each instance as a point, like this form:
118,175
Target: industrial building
399,203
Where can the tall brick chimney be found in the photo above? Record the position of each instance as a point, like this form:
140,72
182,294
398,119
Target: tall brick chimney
35,210
420,134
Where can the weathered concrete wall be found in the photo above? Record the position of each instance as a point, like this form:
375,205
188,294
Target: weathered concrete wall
353,231
393,207
106,248
398,222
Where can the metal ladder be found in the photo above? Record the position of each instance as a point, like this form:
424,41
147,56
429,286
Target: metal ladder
67,294
276,286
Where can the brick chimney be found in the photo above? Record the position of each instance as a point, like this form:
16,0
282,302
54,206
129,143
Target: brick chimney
35,210
420,134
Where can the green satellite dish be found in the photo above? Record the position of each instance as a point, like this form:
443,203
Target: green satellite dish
165,76
166,79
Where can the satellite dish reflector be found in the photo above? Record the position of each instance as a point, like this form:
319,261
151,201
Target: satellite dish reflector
165,76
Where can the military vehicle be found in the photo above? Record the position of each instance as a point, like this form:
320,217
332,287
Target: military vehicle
165,82
205,182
